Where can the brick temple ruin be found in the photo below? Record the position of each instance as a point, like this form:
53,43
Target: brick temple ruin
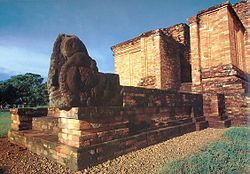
168,82
211,56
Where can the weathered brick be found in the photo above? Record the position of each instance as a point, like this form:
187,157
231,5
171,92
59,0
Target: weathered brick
155,59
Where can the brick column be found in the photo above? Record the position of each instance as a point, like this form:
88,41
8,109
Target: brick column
195,50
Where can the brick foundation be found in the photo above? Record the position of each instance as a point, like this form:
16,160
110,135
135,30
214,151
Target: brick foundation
86,136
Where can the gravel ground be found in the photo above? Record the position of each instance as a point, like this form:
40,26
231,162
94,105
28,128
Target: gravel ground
16,160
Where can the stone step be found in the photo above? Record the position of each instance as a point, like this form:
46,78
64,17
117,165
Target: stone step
46,145
219,123
201,125
79,158
46,124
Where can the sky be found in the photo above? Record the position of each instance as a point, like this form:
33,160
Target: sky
28,28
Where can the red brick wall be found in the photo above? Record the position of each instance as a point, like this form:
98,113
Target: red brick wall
219,58
210,44
180,34
242,10
156,59
139,58
232,82
237,31
170,63
143,110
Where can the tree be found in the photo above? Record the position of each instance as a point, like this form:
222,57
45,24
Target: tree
28,88
8,94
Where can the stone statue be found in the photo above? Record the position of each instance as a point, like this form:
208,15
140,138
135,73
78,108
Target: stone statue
74,80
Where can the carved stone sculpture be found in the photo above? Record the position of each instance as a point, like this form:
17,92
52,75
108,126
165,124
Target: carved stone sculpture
74,80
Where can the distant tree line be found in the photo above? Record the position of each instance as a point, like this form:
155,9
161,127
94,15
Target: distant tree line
28,89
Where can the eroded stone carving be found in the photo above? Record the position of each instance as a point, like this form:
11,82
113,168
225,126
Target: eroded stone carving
74,79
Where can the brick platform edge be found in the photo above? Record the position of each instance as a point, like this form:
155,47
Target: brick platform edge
80,158
82,137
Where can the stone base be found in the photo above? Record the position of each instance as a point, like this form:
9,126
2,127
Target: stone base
200,123
86,136
79,158
217,123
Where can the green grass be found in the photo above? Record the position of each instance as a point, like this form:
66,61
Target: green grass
5,122
227,156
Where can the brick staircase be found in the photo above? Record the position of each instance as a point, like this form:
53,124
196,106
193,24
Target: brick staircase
219,122
41,137
44,136
43,140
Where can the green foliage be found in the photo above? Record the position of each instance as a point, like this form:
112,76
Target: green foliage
228,155
5,121
238,134
28,89
7,93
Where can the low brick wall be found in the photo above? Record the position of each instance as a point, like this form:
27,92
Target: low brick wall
85,136
22,118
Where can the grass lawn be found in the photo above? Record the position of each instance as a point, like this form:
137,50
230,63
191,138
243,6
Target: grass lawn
227,156
5,121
